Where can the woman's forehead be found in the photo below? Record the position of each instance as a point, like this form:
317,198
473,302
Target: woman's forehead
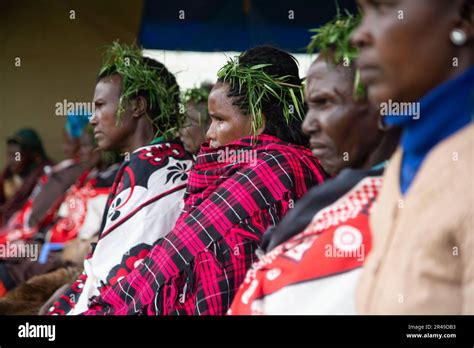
325,76
108,86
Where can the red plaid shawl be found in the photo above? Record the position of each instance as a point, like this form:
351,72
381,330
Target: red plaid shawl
199,265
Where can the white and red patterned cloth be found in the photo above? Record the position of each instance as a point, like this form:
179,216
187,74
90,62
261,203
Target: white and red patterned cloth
144,204
316,270
197,268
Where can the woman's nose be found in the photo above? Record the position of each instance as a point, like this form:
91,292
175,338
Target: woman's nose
93,119
211,134
310,124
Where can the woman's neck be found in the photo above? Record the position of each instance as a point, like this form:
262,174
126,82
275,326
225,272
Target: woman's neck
142,136
385,148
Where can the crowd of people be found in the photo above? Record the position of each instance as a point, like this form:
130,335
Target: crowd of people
262,192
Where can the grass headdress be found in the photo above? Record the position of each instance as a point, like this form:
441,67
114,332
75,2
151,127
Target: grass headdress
140,78
261,86
335,37
198,95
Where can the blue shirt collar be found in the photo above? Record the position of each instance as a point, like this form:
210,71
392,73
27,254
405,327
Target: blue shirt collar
443,111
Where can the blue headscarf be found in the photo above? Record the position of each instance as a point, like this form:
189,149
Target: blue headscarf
76,122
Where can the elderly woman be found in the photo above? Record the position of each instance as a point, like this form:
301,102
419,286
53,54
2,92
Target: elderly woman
423,223
246,178
315,254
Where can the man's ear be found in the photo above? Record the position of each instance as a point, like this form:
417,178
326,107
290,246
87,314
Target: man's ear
138,106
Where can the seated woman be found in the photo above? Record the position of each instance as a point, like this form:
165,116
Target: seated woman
246,178
193,131
38,211
137,113
315,254
26,162
422,261
79,216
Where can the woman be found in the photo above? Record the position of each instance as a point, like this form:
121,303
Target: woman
26,162
77,220
136,113
80,214
37,213
315,254
423,223
246,178
193,132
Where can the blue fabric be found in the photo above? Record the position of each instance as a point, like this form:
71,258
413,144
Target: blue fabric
443,111
233,25
75,124
46,248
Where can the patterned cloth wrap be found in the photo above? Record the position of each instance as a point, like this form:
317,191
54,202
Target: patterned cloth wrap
316,270
229,203
143,206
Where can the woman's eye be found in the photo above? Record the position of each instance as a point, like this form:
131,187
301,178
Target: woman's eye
380,5
320,102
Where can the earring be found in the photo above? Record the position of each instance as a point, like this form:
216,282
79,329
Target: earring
458,37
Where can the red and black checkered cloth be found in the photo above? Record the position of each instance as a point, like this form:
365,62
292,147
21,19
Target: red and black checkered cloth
199,265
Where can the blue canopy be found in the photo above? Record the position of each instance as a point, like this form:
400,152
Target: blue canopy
235,25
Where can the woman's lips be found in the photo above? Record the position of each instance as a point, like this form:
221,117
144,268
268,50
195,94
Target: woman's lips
369,74
318,149
320,152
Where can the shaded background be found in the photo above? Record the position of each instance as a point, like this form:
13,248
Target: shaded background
61,56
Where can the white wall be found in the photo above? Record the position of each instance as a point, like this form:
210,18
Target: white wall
192,68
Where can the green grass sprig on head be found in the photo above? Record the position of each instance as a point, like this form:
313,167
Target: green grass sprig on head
261,86
197,95
138,78
335,37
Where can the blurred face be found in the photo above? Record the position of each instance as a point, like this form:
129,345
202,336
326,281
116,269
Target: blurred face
342,131
15,159
193,132
70,146
405,50
228,123
89,154
109,135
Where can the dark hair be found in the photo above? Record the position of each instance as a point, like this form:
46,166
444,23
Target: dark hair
28,140
467,9
169,81
282,64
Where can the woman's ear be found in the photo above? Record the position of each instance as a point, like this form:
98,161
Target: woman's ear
262,128
139,106
464,21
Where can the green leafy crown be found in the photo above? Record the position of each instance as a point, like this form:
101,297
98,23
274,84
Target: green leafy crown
261,86
197,95
137,78
335,37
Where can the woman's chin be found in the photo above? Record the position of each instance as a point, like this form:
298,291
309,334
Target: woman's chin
378,94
